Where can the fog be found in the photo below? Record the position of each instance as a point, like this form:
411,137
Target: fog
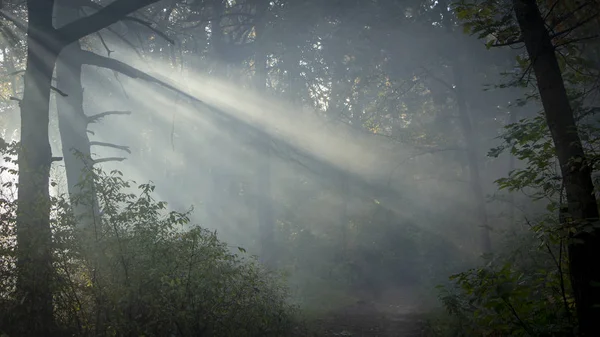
351,157
205,146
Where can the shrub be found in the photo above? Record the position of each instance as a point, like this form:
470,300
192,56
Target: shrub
522,291
140,270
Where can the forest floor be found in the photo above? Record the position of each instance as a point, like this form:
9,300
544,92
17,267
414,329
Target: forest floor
395,313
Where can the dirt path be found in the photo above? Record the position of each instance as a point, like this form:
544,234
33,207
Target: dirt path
394,314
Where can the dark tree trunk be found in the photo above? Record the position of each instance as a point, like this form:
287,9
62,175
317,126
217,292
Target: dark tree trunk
34,237
584,252
34,250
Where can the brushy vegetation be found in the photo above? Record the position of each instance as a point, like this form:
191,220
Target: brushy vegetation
143,271
522,291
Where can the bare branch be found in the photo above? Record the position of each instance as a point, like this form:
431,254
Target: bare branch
97,117
94,59
509,43
112,13
103,160
585,38
570,29
58,91
151,27
108,51
120,147
144,23
566,16
126,41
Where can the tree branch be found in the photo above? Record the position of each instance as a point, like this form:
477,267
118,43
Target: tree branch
585,38
97,117
112,13
579,24
94,59
58,91
149,26
508,43
108,51
120,147
144,23
104,160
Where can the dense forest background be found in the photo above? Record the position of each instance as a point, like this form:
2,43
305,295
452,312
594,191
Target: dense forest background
299,168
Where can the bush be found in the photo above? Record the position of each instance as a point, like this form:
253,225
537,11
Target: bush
140,270
522,291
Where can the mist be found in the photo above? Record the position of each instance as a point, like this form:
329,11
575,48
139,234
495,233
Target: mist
361,154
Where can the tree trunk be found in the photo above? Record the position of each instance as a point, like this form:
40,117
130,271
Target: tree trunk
511,166
34,249
265,201
34,237
472,158
584,252
72,124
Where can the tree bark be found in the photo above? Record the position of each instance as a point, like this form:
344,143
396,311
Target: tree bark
584,251
73,123
34,249
34,237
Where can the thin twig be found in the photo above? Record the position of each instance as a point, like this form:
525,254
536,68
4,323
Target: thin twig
103,160
120,147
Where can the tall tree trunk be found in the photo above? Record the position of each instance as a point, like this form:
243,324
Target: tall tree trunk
511,166
73,123
336,109
472,158
265,201
34,237
34,249
576,172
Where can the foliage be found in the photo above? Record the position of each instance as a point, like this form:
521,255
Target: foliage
522,291
144,271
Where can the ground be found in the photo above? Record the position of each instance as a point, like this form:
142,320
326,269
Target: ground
395,313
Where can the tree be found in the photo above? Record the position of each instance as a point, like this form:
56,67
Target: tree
34,238
584,251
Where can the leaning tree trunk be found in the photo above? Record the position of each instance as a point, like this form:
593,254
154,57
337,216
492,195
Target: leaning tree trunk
34,250
584,251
